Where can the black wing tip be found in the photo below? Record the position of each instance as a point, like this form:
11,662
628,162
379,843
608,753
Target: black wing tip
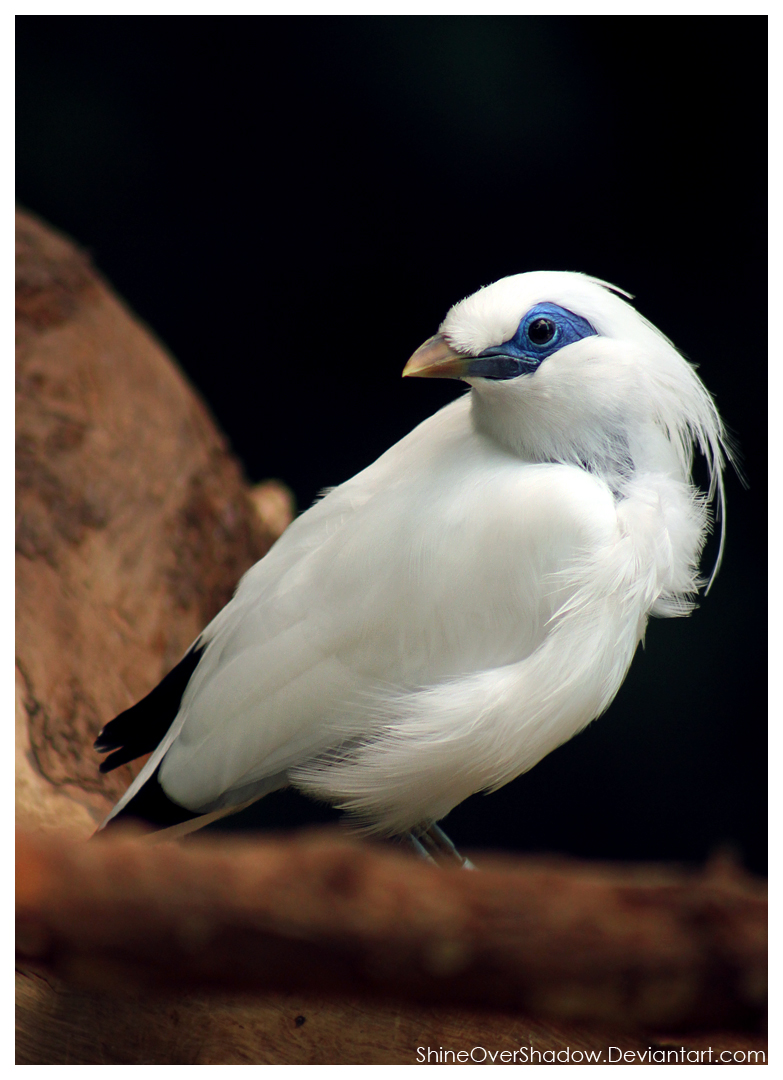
139,729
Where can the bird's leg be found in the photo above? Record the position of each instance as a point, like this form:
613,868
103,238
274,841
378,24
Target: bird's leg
447,847
419,848
438,848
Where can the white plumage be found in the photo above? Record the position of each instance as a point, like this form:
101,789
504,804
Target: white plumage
439,623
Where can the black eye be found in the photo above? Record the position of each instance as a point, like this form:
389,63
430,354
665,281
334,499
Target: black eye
541,331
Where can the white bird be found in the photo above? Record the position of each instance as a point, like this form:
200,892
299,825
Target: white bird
439,623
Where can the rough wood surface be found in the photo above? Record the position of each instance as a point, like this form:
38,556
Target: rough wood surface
63,1026
133,521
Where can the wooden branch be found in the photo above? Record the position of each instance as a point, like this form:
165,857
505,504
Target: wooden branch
322,914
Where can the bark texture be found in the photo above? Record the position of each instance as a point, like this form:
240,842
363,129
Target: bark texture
133,520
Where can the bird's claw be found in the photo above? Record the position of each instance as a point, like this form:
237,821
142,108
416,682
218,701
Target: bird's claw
434,846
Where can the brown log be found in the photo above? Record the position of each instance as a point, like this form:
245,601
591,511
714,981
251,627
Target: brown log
58,1025
321,914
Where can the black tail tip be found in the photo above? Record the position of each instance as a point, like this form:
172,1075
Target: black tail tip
103,743
149,807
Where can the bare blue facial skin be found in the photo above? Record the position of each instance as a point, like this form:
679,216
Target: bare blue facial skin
545,330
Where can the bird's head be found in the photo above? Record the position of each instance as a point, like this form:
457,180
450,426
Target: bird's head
564,369
508,329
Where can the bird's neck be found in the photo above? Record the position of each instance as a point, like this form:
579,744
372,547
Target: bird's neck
604,445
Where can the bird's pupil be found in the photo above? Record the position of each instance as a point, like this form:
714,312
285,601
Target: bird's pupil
541,331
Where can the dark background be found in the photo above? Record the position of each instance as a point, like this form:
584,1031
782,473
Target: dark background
294,203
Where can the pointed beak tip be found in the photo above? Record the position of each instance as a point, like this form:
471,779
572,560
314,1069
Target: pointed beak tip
414,369
436,359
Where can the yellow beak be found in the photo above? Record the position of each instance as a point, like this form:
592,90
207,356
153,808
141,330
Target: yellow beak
436,359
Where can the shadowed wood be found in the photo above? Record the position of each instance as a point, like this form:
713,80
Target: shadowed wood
63,1026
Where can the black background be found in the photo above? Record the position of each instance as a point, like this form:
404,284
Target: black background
292,204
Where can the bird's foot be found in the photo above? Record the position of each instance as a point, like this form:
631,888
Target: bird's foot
435,847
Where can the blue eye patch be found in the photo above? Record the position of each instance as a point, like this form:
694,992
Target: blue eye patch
544,330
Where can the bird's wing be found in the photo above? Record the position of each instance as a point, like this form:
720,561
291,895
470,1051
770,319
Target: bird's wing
250,651
437,565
